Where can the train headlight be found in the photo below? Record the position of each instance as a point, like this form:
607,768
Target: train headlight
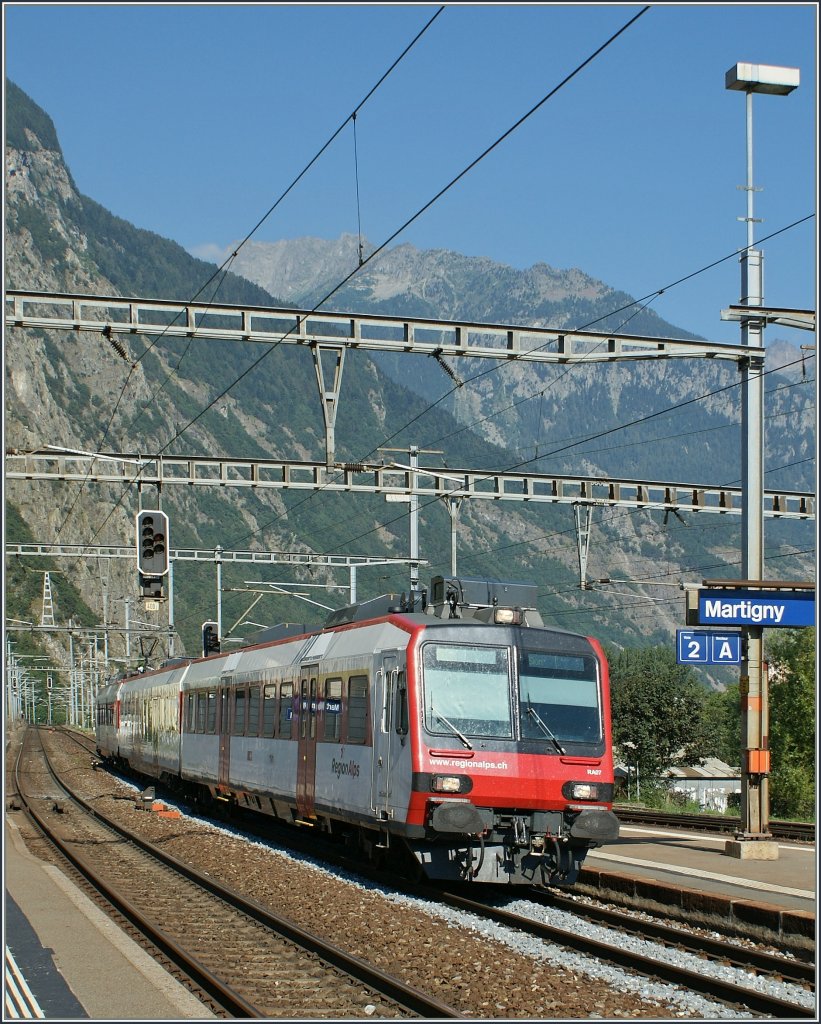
508,616
583,791
451,783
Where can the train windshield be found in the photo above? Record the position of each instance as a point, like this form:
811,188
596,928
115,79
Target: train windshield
559,698
467,690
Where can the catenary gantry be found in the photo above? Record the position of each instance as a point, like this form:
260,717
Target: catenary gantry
330,335
66,465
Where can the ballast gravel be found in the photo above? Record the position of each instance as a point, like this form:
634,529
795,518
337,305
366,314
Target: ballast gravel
485,970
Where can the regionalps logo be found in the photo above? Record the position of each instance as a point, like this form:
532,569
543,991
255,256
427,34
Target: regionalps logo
340,768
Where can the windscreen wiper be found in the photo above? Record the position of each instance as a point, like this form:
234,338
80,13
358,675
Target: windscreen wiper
463,738
544,728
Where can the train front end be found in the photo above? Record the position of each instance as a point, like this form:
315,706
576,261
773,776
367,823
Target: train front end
514,768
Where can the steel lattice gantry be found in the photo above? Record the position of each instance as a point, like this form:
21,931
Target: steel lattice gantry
53,463
330,335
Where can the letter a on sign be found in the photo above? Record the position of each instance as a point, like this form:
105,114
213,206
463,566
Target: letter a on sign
726,650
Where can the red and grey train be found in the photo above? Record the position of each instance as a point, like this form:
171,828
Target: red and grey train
458,728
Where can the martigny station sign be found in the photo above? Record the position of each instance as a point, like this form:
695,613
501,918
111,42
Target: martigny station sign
765,608
755,608
779,605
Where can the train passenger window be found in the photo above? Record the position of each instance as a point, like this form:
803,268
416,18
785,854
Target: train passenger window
239,713
201,707
211,712
269,709
286,710
253,712
313,710
357,709
333,709
303,709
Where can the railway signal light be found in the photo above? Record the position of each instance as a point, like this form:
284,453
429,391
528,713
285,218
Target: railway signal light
210,639
152,542
152,552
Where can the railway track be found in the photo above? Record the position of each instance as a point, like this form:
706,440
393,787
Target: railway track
611,950
745,958
242,959
798,831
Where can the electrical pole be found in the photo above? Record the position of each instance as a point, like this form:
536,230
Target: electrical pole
752,841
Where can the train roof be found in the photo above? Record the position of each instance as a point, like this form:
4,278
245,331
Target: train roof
449,599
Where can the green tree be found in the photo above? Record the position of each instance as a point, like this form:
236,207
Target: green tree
659,712
723,711
792,656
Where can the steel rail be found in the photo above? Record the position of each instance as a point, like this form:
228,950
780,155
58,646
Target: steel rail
797,971
407,996
802,831
201,977
714,988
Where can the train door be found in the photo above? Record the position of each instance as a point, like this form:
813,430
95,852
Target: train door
383,754
224,726
306,751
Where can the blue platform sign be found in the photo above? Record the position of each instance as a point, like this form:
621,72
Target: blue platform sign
766,608
696,647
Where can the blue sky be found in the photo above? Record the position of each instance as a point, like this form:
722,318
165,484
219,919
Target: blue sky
191,120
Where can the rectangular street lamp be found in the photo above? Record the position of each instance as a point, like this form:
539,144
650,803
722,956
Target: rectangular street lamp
762,78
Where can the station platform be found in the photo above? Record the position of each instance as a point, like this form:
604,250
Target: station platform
65,960
693,870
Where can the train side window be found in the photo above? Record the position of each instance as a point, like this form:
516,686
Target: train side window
357,709
201,708
390,679
286,710
312,710
239,713
401,715
303,709
333,709
211,712
269,709
253,711
190,720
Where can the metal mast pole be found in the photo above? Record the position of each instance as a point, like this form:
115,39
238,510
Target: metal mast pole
750,842
414,524
170,607
754,778
218,560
